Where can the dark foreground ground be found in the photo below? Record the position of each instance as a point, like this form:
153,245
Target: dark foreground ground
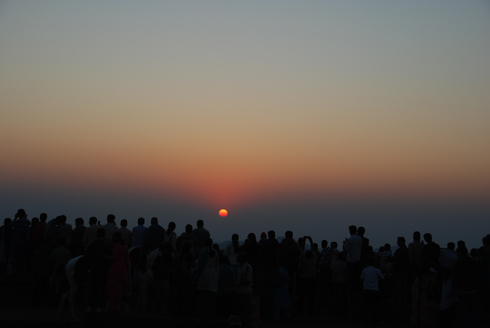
16,311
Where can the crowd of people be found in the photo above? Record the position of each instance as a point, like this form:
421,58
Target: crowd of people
154,269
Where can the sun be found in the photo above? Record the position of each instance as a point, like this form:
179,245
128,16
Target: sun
223,213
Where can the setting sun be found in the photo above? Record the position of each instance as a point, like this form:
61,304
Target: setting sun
223,213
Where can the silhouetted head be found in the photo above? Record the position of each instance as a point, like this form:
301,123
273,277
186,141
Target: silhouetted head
334,244
486,240
427,237
352,229
400,241
200,223
234,237
100,233
416,235
361,231
92,220
141,221
461,243
154,220
111,218
21,213
188,228
289,234
7,221
34,221
62,219
79,222
324,243
251,237
387,247
271,234
171,227
451,246
43,217
124,223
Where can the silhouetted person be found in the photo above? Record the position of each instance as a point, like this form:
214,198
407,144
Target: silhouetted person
353,246
251,249
5,244
465,283
58,259
324,272
307,281
126,234
98,265
242,296
20,229
415,257
63,230
448,256
371,277
154,235
186,238
161,280
118,276
171,237
77,238
200,234
288,255
139,233
432,252
231,251
91,232
110,227
226,281
365,246
37,232
207,282
402,269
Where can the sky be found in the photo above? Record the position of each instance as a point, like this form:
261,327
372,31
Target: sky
307,116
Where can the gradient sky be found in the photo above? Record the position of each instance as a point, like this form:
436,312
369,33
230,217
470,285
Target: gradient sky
300,115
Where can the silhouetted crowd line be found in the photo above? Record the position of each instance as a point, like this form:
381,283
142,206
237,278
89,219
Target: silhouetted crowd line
152,269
